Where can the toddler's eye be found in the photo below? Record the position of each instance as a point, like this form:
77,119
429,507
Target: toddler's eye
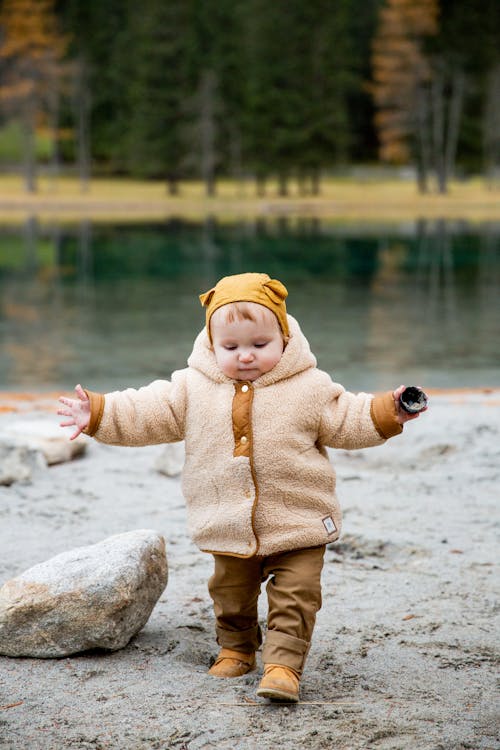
229,347
260,346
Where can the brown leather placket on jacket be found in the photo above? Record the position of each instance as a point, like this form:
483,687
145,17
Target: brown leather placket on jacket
242,419
243,442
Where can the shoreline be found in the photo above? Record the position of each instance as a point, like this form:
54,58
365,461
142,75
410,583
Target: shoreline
346,199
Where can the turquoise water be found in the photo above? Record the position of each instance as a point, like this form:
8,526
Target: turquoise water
113,306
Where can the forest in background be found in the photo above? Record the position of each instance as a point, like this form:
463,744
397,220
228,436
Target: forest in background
199,89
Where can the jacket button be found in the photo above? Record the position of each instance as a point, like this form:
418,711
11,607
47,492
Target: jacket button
244,388
244,439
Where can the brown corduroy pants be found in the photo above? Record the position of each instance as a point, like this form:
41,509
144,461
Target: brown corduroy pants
294,598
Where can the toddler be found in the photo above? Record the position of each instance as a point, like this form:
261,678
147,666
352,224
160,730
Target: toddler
256,416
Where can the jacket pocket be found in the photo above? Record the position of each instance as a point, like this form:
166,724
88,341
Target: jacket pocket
220,496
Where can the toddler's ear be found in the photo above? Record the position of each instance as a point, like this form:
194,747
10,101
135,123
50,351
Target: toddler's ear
275,290
205,299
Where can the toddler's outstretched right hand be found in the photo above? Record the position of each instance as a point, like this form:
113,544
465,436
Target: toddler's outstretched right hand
78,411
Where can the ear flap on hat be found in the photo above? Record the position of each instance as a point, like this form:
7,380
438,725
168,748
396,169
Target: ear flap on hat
275,290
206,298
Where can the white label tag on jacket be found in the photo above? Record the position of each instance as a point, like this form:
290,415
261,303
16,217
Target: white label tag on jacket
329,525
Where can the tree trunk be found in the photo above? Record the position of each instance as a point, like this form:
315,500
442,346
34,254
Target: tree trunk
454,117
316,181
491,127
283,185
55,158
236,160
423,145
82,106
208,130
172,185
302,183
438,120
30,177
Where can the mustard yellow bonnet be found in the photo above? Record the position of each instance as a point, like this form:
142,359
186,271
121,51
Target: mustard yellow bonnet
247,287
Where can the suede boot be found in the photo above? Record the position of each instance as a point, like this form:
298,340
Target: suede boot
279,683
231,663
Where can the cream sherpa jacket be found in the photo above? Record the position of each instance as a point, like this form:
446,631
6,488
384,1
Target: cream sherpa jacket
257,478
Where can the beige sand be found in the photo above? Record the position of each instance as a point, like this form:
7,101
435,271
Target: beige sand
406,645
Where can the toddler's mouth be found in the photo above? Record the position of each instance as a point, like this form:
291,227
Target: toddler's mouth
248,373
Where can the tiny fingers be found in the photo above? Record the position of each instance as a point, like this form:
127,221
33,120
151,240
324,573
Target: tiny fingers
81,393
409,417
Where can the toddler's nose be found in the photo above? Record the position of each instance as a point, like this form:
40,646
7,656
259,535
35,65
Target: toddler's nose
246,356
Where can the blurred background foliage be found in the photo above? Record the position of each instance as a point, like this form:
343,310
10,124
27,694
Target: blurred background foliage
199,89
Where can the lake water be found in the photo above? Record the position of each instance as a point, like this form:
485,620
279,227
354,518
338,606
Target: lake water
117,305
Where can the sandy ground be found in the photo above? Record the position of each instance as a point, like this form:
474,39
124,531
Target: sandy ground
406,646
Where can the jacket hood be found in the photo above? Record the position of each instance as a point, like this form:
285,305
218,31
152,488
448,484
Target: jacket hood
297,357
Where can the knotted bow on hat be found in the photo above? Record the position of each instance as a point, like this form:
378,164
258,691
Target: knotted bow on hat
247,287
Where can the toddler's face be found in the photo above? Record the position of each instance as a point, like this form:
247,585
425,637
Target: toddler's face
246,349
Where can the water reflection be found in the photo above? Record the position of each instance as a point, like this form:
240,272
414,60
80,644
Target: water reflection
117,305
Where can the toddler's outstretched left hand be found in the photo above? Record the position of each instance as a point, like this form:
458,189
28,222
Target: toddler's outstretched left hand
403,415
77,410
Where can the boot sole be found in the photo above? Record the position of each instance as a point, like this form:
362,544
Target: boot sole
279,696
232,676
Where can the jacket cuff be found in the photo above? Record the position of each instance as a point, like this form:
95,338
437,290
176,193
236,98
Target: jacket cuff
96,412
384,415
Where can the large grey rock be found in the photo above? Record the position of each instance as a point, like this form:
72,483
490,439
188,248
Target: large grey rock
44,436
90,597
19,463
171,460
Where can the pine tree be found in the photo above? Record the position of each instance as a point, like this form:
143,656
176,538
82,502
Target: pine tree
103,54
271,94
220,75
401,77
468,49
327,79
31,53
301,73
160,88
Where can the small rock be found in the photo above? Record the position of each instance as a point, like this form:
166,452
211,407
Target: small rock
44,436
18,463
171,461
98,596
